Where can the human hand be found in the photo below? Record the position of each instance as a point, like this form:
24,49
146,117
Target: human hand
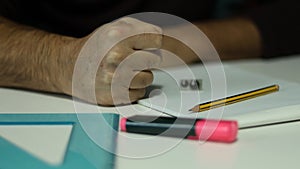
113,66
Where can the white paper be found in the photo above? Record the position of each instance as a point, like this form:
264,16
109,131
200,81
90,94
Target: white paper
173,101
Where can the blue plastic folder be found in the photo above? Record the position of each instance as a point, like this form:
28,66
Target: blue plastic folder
82,151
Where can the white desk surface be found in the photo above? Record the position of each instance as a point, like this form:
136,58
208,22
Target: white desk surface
273,146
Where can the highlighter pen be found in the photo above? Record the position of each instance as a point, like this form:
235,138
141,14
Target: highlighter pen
194,129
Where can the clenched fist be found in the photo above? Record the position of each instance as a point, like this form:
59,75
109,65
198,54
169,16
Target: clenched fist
114,64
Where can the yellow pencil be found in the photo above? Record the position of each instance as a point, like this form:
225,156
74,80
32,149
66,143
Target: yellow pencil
235,98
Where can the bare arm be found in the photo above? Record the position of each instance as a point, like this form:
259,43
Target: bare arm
39,60
34,59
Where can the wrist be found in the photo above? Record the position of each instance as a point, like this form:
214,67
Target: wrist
65,62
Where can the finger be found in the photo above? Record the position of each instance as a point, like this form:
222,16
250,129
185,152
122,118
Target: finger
119,52
136,94
126,96
144,41
104,77
140,60
142,80
115,56
125,73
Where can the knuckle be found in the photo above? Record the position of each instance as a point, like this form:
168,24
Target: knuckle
113,57
126,19
105,78
114,32
157,29
118,28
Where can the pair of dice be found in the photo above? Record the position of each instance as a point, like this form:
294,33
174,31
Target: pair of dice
191,84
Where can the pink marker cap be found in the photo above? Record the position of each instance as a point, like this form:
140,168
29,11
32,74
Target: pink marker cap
214,130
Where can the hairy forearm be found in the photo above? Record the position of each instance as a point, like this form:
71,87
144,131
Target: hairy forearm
34,59
236,38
